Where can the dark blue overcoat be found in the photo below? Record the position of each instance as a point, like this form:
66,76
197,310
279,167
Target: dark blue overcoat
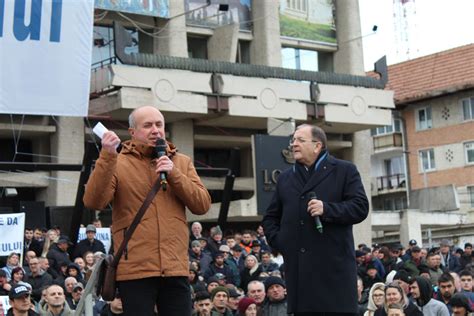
320,268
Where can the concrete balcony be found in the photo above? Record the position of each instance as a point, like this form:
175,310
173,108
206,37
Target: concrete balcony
388,184
241,101
393,141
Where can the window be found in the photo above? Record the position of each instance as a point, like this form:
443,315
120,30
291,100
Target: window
469,150
470,193
427,160
300,59
396,126
243,52
197,47
468,109
424,118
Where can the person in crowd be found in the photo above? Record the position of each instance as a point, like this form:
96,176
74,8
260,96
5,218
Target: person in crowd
467,256
256,250
394,294
234,298
433,261
97,223
44,265
58,254
256,290
18,275
212,283
457,281
449,262
38,279
19,298
89,244
231,264
89,262
262,239
55,302
371,276
38,236
403,278
246,242
215,240
219,299
154,262
267,263
219,266
30,243
422,294
197,254
376,298
251,272
50,239
79,261
412,263
73,270
338,205
76,295
407,255
275,303
113,308
395,310
247,307
460,305
230,241
26,259
466,284
4,285
69,283
446,289
362,297
194,280
13,261
238,257
196,231
202,304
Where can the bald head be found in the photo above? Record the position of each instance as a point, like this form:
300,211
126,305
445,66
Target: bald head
146,124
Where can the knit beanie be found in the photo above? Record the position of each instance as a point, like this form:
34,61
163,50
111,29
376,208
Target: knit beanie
217,290
195,243
244,303
272,280
216,231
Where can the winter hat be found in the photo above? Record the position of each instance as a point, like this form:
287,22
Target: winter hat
195,243
272,280
212,279
91,228
217,290
359,253
403,275
244,303
216,231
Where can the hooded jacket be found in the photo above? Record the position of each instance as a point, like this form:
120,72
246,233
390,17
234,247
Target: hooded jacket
428,305
159,245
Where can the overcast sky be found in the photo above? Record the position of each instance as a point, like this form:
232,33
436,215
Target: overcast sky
437,25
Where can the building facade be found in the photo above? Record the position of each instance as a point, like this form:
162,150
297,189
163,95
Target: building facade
220,74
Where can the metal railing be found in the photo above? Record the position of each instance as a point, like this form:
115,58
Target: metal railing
391,182
86,303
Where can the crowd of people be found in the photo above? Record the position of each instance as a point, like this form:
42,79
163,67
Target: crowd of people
435,281
238,274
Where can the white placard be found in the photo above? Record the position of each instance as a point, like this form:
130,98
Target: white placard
5,302
45,57
12,231
103,234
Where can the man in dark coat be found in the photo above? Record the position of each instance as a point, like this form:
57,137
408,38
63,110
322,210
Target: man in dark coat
317,262
89,244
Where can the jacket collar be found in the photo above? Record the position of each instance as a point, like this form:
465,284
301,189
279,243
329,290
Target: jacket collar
141,149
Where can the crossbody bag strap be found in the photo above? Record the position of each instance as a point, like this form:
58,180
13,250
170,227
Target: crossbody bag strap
128,234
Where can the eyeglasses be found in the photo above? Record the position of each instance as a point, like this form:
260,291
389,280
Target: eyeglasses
301,140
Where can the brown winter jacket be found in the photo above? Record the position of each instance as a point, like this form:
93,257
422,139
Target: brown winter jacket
159,245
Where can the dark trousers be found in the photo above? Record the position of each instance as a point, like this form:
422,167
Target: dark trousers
171,295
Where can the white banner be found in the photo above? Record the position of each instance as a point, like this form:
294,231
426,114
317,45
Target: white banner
45,56
5,302
12,230
103,234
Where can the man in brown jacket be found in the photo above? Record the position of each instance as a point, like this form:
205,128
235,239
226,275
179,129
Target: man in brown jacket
154,267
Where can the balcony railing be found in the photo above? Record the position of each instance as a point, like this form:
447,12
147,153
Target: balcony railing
388,140
392,182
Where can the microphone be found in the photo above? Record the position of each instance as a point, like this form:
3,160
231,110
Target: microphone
319,225
160,150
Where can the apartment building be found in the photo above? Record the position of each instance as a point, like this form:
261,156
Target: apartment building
427,155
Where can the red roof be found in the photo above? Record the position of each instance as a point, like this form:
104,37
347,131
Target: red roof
444,72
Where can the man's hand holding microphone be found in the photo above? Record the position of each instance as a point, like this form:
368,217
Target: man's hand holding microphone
316,209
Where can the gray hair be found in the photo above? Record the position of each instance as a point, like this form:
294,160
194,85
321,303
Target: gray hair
317,133
131,119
